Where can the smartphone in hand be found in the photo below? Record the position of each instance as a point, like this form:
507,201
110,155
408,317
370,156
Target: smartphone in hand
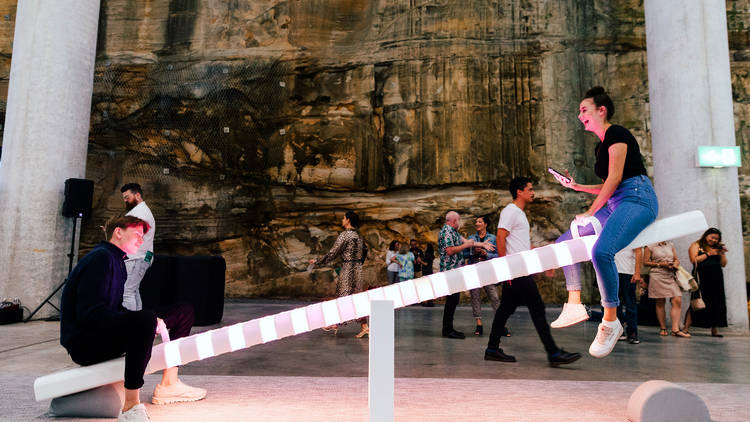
557,174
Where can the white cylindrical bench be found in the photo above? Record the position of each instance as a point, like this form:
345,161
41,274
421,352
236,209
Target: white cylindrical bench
659,401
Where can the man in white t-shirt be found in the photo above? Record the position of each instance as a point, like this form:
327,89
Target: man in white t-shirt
139,262
513,236
628,262
177,318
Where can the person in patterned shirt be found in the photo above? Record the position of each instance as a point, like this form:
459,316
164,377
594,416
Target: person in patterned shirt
450,248
350,246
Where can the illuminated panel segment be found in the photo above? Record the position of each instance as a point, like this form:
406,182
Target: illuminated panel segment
455,281
361,304
346,308
299,321
486,273
439,284
330,312
315,316
268,329
283,324
236,338
564,258
502,271
205,345
172,353
547,257
471,278
517,265
424,289
408,292
533,265
393,293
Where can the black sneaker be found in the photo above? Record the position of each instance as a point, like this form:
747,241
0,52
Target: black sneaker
498,355
563,358
454,334
633,340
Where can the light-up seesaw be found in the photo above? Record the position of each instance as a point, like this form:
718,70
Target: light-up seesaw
301,320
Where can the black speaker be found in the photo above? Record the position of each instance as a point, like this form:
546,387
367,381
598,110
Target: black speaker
79,193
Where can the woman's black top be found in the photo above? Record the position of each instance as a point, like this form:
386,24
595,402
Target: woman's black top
633,160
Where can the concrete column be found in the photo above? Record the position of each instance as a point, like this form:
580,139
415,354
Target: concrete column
45,142
691,104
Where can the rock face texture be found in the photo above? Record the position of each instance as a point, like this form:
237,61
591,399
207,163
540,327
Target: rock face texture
254,125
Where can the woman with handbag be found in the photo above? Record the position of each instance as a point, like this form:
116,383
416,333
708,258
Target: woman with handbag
662,258
708,256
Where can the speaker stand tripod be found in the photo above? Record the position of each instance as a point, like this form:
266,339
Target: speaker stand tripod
70,267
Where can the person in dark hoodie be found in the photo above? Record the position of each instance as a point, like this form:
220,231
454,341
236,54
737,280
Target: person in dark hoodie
94,327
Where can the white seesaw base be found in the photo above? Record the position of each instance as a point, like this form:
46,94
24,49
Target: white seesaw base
296,321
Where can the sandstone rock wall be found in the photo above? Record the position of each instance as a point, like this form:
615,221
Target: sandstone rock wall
254,125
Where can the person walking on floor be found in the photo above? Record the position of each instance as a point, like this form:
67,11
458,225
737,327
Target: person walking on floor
350,246
513,236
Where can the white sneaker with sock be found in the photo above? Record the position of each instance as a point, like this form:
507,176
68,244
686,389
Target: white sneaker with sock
606,338
136,413
572,314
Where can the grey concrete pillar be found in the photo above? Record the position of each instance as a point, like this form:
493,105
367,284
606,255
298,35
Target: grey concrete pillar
45,142
691,104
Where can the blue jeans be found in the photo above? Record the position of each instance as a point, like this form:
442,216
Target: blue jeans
631,208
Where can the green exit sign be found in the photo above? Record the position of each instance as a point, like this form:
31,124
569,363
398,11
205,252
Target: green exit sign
719,156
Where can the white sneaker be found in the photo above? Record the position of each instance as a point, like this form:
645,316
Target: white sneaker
606,338
136,413
178,392
572,314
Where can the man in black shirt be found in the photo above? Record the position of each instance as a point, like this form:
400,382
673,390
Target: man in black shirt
94,327
418,256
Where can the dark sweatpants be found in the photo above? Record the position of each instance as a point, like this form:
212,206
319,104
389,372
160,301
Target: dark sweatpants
521,291
131,333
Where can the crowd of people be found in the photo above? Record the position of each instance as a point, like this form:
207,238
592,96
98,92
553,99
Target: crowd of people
102,315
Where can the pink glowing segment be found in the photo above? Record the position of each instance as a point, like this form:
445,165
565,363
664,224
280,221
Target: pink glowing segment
299,321
236,338
172,355
205,345
408,292
361,304
330,312
471,278
564,258
393,293
346,308
502,271
533,265
424,289
268,329
439,284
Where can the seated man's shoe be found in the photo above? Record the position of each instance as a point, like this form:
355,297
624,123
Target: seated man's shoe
572,314
454,334
136,413
177,392
561,357
606,338
498,355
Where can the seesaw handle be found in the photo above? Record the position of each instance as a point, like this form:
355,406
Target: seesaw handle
591,220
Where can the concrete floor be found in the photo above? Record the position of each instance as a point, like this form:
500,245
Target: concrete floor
717,367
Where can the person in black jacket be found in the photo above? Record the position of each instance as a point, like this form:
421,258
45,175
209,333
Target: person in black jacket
94,327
